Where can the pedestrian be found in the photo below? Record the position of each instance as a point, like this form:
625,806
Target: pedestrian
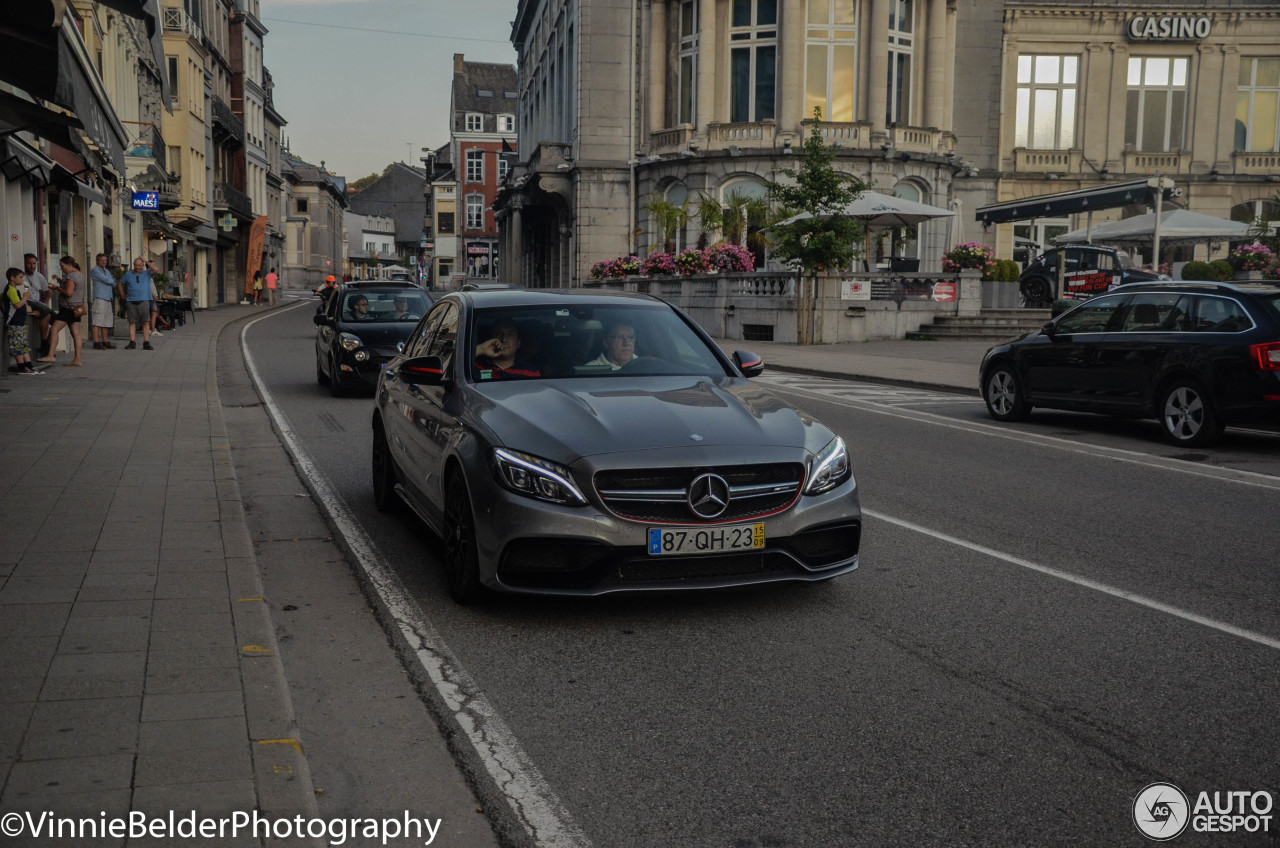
16,293
272,279
102,316
40,293
157,320
257,287
70,288
135,290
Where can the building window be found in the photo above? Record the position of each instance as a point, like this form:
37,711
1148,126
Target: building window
830,59
484,92
753,60
1156,111
475,166
175,93
677,195
302,205
504,168
475,122
444,223
687,78
1258,106
371,248
901,27
475,211
1046,102
506,123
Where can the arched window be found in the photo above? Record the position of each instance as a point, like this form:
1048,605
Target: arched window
677,237
902,241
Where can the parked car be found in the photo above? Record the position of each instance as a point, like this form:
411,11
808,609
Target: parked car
358,328
1090,270
1194,356
580,444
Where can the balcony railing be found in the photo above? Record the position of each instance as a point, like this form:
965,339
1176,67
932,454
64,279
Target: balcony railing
1173,162
671,140
1047,161
848,135
226,119
227,198
1262,164
177,20
150,145
742,135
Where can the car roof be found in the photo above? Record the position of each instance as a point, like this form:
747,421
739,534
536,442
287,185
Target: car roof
1200,286
380,284
545,297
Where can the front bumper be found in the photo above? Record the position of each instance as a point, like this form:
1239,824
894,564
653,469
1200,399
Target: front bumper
533,547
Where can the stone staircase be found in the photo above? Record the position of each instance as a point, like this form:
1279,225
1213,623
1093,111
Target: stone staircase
989,325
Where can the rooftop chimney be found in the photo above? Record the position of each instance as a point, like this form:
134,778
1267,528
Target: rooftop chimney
457,63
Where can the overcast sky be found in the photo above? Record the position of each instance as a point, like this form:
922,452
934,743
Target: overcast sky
363,83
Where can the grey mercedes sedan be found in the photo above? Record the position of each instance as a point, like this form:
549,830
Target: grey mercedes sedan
579,443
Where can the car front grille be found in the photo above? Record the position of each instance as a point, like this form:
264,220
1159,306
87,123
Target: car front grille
662,494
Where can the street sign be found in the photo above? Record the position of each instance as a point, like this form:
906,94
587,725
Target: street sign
944,292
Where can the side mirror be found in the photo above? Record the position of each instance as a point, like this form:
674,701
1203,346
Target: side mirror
322,320
423,370
748,363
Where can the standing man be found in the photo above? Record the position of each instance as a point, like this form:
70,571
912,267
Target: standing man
272,279
39,292
101,315
135,290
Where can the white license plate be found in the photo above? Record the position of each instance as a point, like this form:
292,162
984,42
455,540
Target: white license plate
705,540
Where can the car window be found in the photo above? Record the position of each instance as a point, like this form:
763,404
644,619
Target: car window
595,340
1105,261
416,345
1220,315
1272,303
1093,316
1073,260
1088,260
444,336
385,305
1157,312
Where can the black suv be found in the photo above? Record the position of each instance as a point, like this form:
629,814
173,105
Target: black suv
1090,270
358,328
1195,356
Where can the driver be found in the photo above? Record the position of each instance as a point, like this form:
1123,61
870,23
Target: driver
496,357
619,345
402,310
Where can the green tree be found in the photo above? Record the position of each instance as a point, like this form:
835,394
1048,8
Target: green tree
669,219
1266,227
825,238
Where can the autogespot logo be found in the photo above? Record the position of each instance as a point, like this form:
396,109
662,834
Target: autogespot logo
1161,811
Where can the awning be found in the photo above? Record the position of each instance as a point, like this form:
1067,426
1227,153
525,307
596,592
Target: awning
46,57
1069,202
20,114
19,159
67,181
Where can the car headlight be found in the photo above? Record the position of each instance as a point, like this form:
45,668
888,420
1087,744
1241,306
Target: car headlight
349,341
532,477
830,468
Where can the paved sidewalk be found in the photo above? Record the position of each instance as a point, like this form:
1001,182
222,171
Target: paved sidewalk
947,365
138,663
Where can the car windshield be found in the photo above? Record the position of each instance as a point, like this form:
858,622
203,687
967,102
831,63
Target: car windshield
1272,302
1124,259
596,340
385,306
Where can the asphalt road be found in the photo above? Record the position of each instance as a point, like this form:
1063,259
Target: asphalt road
1048,618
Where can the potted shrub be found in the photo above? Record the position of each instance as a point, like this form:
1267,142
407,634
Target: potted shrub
1251,260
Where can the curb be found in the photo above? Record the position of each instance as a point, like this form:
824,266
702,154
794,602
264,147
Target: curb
883,381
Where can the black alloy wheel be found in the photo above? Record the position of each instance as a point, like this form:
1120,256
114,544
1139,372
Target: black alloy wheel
1035,293
1002,390
461,559
385,474
1186,414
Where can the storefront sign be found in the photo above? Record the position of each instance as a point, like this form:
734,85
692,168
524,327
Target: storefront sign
146,200
855,290
1169,28
478,249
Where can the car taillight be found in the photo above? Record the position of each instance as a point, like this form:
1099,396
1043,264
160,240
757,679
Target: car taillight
1266,356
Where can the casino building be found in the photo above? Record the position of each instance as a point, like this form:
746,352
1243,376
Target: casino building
1088,93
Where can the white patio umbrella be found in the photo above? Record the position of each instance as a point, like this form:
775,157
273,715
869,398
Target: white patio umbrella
1176,226
883,211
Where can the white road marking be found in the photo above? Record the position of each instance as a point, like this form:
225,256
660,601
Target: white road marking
864,391
535,805
1085,582
1179,466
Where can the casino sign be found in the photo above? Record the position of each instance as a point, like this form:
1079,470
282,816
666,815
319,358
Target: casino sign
1168,28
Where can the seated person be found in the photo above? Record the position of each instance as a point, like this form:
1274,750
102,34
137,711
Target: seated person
402,311
619,346
496,357
358,307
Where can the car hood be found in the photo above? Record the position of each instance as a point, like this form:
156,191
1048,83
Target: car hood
564,420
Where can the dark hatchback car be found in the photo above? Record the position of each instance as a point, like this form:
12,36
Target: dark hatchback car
1194,356
580,444
1090,270
359,326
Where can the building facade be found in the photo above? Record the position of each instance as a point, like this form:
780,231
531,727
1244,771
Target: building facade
724,91
397,195
1180,90
315,234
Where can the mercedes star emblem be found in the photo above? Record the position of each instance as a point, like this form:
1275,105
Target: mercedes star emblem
709,496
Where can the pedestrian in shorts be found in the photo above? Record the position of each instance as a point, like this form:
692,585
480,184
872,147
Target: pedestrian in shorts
135,291
101,314
15,312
